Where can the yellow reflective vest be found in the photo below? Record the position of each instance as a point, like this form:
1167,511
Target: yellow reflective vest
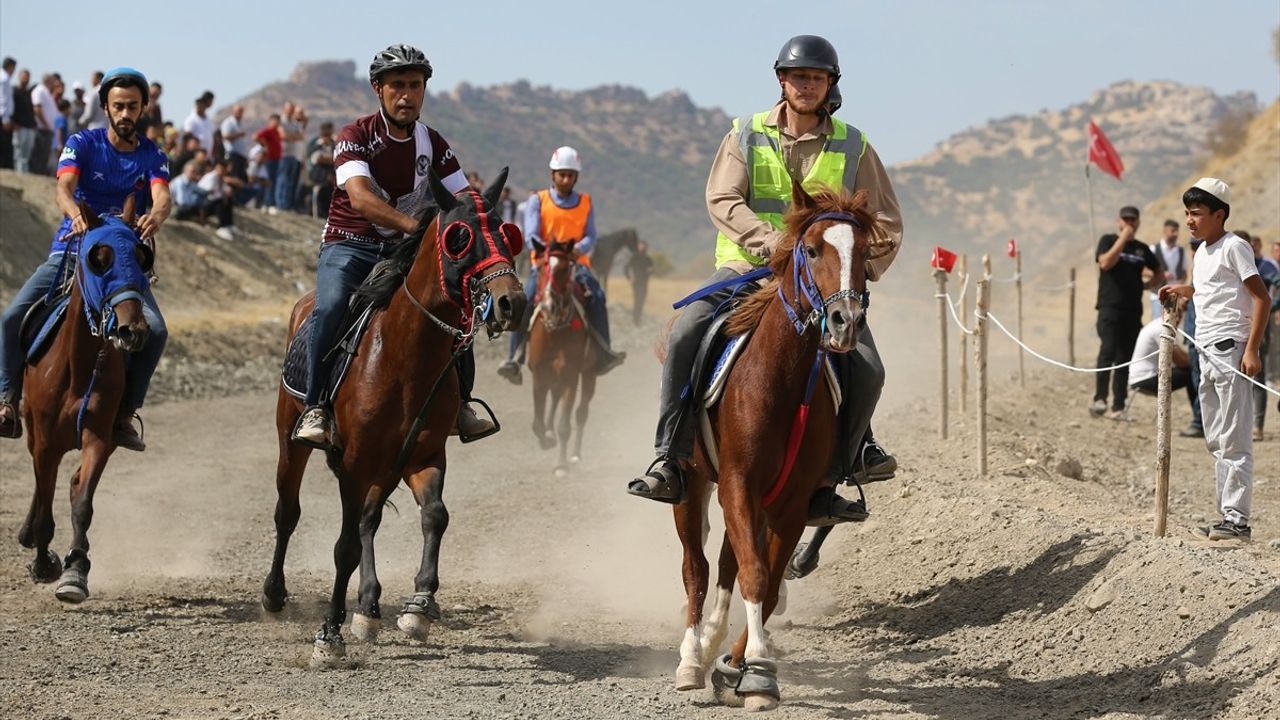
769,183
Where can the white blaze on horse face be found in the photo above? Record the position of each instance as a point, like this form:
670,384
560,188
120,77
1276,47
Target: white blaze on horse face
757,643
554,263
840,237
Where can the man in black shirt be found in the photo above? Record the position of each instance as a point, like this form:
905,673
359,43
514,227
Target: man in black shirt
1121,261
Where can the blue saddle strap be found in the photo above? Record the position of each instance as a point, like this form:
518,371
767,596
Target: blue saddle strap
715,287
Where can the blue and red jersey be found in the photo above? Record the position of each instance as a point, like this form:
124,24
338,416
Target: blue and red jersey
107,175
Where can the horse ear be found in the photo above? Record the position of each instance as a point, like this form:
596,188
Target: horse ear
130,207
91,219
800,198
494,190
444,199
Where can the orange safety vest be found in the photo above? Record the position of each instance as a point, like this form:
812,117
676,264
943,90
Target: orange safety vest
557,224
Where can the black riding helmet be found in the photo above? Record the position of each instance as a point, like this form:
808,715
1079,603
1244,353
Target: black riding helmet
833,100
399,57
123,77
809,51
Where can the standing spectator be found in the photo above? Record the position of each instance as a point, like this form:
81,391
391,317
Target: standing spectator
1173,259
62,126
235,145
1196,428
77,109
476,182
1270,275
270,137
45,104
259,188
321,170
199,123
507,206
151,114
639,269
6,112
291,154
1231,309
24,123
1121,258
218,194
94,117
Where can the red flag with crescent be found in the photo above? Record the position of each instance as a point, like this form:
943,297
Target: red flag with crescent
943,259
1102,153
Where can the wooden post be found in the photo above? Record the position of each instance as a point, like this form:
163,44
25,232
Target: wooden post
962,307
940,277
1017,274
1164,387
1071,319
980,360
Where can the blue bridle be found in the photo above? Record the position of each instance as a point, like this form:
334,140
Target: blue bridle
806,286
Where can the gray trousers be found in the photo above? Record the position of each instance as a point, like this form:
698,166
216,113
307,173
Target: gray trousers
861,371
1226,402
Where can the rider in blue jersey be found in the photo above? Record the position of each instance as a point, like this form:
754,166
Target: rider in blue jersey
101,168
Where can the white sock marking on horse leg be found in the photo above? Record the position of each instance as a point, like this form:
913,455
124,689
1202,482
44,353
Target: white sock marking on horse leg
717,627
840,237
757,643
690,649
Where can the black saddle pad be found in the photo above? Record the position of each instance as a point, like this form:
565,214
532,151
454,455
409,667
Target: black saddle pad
296,372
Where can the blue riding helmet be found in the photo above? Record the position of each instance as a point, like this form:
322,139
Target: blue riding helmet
124,76
120,276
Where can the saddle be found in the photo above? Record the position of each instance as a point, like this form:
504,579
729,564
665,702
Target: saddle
372,295
42,320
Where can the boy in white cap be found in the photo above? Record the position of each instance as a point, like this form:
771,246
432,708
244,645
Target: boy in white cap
1231,312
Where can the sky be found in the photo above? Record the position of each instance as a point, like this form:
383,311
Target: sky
915,71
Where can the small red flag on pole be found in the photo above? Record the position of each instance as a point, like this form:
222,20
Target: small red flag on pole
943,259
1102,153
1013,248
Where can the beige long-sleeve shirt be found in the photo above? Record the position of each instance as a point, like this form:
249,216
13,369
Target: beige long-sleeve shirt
728,185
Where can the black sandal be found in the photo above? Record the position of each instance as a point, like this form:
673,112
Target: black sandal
11,426
661,482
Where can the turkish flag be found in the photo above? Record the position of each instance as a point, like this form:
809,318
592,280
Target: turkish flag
1102,153
1013,248
943,259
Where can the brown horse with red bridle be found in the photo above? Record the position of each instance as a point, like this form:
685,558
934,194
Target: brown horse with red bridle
766,474
73,390
394,411
562,356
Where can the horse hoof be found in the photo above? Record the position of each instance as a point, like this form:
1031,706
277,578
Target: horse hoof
690,677
757,702
574,460
561,472
272,604
73,587
365,628
45,570
415,625
726,696
328,654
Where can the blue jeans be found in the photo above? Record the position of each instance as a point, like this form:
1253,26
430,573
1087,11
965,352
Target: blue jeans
1189,327
286,182
273,174
340,270
141,366
597,311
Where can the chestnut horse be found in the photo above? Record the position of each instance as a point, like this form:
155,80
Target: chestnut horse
73,390
394,411
562,356
766,474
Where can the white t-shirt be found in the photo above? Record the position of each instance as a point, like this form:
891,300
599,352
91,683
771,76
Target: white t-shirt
202,128
1224,309
1148,342
212,185
239,146
41,96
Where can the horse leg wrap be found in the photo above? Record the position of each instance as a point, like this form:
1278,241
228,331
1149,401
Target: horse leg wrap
759,675
423,603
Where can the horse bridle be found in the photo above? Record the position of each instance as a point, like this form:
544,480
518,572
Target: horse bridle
557,305
481,306
802,279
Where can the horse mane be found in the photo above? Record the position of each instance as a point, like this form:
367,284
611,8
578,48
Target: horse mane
749,312
386,275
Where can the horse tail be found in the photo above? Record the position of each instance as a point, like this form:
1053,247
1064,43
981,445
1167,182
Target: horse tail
661,342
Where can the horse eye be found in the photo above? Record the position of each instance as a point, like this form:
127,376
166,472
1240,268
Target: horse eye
813,254
100,259
458,239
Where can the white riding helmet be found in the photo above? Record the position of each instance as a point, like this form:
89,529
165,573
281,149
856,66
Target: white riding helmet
566,158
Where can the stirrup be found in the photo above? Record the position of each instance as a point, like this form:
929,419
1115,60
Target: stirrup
823,511
497,426
661,489
14,431
315,444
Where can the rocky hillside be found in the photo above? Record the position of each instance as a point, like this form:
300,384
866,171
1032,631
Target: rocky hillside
1253,171
645,158
1023,176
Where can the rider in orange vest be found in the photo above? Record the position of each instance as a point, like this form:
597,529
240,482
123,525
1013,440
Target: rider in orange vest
559,214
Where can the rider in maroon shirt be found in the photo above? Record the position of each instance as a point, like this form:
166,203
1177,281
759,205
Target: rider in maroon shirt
382,161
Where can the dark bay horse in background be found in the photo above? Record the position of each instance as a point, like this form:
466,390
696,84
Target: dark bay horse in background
607,247
463,256
562,356
767,475
73,390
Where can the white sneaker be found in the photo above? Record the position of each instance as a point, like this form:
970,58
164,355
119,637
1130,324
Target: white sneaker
273,210
224,233
1098,408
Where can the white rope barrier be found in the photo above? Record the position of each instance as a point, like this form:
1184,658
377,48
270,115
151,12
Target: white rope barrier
1016,277
1205,353
1062,365
951,306
1052,288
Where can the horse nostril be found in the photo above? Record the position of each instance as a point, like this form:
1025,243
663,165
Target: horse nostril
838,319
504,307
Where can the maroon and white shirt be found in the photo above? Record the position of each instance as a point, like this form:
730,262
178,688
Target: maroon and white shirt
397,170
